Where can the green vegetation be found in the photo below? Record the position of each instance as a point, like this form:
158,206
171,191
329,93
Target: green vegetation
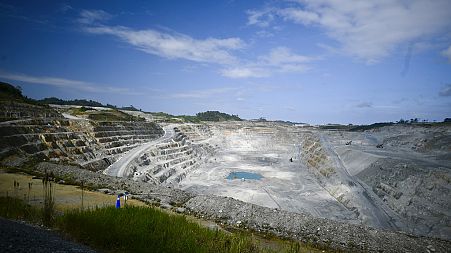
83,102
17,209
202,116
336,127
9,91
145,229
104,115
216,116
48,212
372,126
112,115
189,118
142,229
162,114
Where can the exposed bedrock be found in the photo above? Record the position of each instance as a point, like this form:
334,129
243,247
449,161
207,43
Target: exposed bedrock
410,174
94,145
417,192
304,227
169,161
323,162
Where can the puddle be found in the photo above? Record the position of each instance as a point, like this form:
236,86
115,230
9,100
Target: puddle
245,175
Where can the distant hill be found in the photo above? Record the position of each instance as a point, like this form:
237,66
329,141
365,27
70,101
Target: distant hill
83,102
201,116
9,91
216,116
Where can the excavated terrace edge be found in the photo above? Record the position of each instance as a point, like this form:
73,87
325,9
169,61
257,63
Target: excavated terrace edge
299,226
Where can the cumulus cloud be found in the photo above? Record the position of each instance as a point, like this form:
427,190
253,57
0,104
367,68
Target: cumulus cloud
65,83
369,30
262,18
210,50
447,53
278,60
446,91
174,46
244,72
299,16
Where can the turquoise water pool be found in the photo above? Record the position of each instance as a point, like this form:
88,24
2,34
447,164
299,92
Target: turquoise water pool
245,175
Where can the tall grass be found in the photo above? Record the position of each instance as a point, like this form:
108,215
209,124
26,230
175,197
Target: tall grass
17,209
49,200
142,229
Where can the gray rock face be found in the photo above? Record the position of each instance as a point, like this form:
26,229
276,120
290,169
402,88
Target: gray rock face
304,227
94,145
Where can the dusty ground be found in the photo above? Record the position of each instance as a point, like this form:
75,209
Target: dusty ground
285,185
66,196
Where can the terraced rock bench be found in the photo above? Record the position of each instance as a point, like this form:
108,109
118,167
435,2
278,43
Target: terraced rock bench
13,110
169,162
94,145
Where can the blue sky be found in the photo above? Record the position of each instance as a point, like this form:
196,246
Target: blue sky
321,61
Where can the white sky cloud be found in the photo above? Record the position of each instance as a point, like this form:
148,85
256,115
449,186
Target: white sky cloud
210,50
369,30
447,53
244,72
92,16
278,60
446,91
262,18
174,46
66,83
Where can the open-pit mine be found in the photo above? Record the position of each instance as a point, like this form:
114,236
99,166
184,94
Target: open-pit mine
375,188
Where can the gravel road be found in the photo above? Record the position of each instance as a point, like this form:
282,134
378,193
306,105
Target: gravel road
118,168
19,237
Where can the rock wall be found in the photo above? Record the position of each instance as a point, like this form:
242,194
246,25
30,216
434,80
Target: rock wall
169,162
14,110
418,193
91,144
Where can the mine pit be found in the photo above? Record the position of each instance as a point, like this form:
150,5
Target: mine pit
335,175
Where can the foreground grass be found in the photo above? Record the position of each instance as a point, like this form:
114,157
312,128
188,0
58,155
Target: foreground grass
142,229
17,209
